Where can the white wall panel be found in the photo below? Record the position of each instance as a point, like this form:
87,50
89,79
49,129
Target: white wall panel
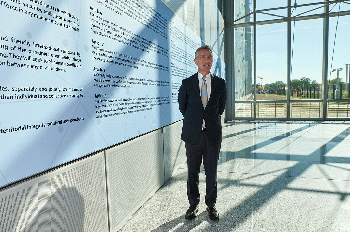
174,149
135,171
72,198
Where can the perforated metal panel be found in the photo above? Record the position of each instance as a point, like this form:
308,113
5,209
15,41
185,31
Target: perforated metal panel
135,170
72,198
174,149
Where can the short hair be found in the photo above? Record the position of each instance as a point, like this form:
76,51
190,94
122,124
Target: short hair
204,47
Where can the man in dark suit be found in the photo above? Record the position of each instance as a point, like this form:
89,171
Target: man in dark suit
202,99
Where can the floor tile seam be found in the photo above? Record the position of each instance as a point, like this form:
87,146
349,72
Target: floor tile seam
284,172
278,136
233,139
302,158
235,135
289,187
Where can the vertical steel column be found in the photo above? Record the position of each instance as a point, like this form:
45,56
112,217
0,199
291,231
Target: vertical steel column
324,86
289,56
347,79
201,22
229,59
254,56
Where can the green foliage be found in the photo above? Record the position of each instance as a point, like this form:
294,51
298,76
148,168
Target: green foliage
297,86
335,81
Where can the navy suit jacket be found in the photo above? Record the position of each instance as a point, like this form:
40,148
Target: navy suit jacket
190,105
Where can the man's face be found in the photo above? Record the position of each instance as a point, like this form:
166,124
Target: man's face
204,60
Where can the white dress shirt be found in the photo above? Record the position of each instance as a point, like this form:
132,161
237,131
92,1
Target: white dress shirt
207,80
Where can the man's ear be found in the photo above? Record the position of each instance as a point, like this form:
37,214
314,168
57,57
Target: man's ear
195,61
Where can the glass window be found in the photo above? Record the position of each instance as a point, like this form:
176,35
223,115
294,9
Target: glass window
243,11
339,68
271,61
271,15
266,11
267,96
307,53
307,7
338,7
267,4
339,62
243,62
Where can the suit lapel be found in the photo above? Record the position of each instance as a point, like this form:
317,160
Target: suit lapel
213,86
195,82
195,85
213,83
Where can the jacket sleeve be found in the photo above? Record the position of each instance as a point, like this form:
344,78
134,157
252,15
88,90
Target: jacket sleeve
222,100
182,98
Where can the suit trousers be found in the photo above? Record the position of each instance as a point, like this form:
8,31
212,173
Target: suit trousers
195,154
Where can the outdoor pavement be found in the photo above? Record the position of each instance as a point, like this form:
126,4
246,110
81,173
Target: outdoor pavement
272,176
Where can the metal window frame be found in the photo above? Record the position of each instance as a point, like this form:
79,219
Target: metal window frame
324,88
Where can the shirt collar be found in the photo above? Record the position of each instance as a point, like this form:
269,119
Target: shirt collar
207,77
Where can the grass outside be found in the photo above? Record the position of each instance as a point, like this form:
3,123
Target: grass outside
273,97
298,109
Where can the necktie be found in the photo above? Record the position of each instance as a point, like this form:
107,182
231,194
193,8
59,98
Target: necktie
204,93
204,97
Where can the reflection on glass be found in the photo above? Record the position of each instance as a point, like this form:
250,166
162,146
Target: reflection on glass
271,110
243,63
244,109
243,11
243,66
306,109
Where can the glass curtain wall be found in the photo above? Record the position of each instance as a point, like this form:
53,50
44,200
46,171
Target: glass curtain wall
306,69
244,60
279,65
271,71
339,67
244,72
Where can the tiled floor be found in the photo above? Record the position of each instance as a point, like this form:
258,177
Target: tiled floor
271,177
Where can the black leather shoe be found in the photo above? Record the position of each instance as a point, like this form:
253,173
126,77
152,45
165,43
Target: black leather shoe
191,213
213,214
